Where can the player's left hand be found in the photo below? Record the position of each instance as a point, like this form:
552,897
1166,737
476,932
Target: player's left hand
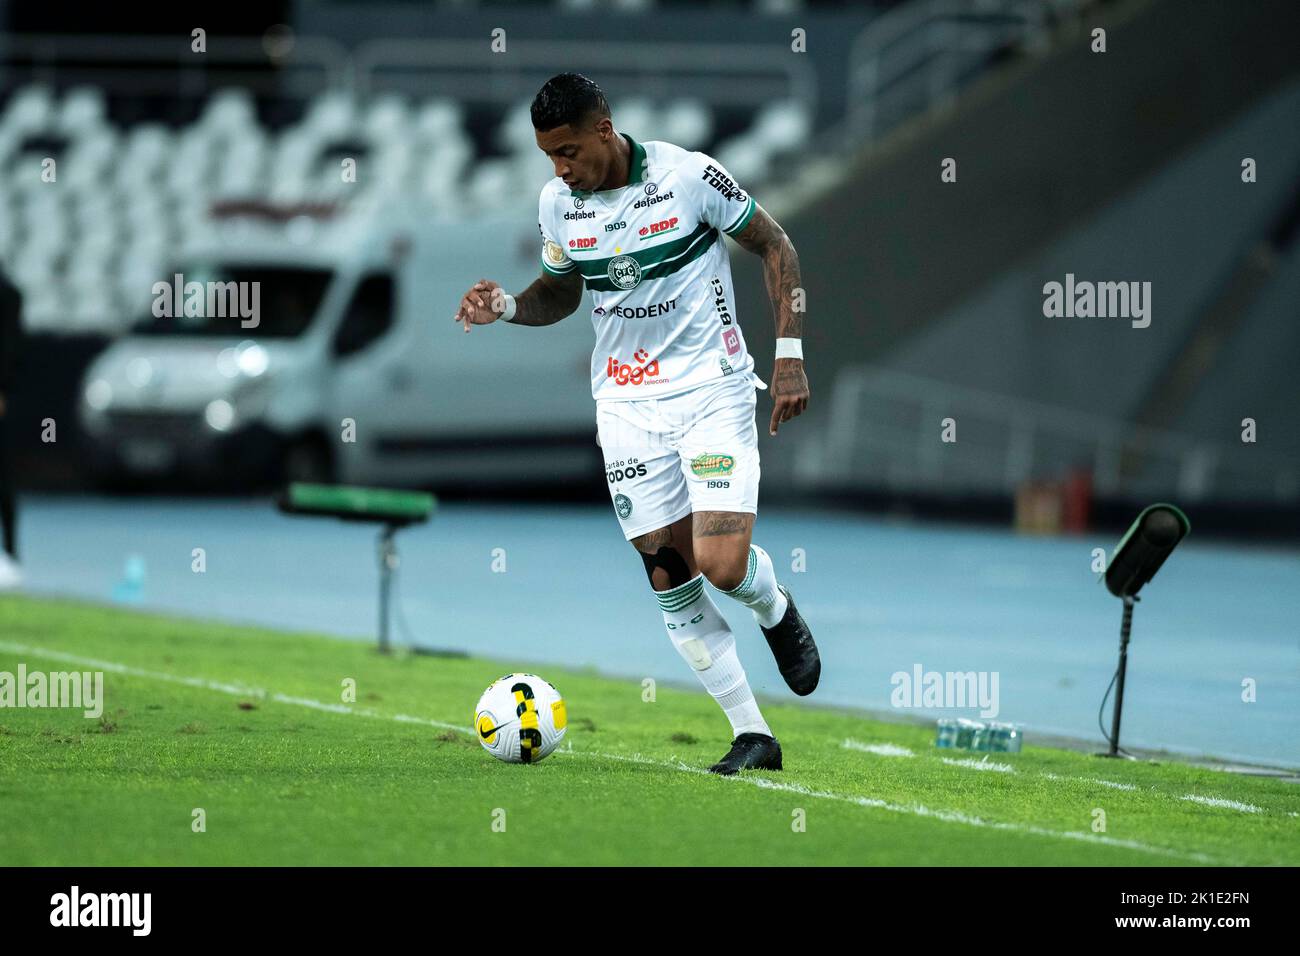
789,391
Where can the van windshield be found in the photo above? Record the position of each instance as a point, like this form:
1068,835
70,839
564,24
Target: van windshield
224,300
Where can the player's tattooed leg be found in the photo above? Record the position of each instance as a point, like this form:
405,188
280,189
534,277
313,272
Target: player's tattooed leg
697,628
713,523
721,543
653,540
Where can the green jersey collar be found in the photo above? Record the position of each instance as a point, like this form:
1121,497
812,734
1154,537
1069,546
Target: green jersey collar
636,167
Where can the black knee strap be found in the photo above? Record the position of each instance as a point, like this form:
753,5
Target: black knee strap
671,560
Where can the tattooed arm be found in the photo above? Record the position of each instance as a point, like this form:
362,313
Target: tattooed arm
765,237
545,302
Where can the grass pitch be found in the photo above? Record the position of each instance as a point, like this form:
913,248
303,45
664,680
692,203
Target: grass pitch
248,726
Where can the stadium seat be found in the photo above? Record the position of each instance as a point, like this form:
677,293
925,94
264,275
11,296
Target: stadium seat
189,165
533,166
331,116
389,170
240,173
82,108
145,151
291,188
43,221
89,304
31,110
229,113
290,156
91,158
439,119
139,269
443,171
686,122
43,307
387,118
782,125
515,133
92,250
637,117
491,180
746,157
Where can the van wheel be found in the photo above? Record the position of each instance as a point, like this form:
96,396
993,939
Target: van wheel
308,460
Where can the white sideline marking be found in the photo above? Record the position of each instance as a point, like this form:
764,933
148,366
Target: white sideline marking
1101,783
949,816
971,763
882,750
238,690
914,809
1221,802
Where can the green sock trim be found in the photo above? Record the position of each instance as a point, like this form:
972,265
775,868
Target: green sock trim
750,570
682,596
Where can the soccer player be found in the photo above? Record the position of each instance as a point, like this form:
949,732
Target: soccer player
637,224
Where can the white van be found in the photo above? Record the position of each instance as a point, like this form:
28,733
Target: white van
352,369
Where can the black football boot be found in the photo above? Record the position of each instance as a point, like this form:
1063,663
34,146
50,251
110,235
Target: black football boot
792,645
750,752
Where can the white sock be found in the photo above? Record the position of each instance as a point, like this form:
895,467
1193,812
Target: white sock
701,635
758,591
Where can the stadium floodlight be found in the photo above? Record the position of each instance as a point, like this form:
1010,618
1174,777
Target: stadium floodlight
1143,549
393,508
1148,542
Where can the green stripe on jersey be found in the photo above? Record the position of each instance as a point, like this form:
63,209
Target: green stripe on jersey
553,271
657,262
743,221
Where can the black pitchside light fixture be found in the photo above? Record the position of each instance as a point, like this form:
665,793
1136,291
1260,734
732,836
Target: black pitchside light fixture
1138,556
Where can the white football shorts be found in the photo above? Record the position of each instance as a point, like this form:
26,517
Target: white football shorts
668,457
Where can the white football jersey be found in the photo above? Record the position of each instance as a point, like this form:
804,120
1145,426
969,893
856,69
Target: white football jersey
652,255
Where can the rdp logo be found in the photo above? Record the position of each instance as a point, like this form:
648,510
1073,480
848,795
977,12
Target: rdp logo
624,374
663,225
589,243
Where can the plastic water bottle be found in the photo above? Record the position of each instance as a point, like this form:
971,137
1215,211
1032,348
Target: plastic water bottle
1004,738
130,589
978,736
947,733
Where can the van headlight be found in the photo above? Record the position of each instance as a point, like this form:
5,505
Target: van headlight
98,394
251,359
220,415
247,401
245,359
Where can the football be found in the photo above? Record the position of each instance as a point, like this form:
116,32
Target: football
520,718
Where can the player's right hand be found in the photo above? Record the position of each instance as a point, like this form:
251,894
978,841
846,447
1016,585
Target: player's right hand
481,305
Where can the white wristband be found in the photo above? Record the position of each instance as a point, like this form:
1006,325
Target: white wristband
509,313
789,348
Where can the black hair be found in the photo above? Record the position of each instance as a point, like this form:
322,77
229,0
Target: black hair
567,98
